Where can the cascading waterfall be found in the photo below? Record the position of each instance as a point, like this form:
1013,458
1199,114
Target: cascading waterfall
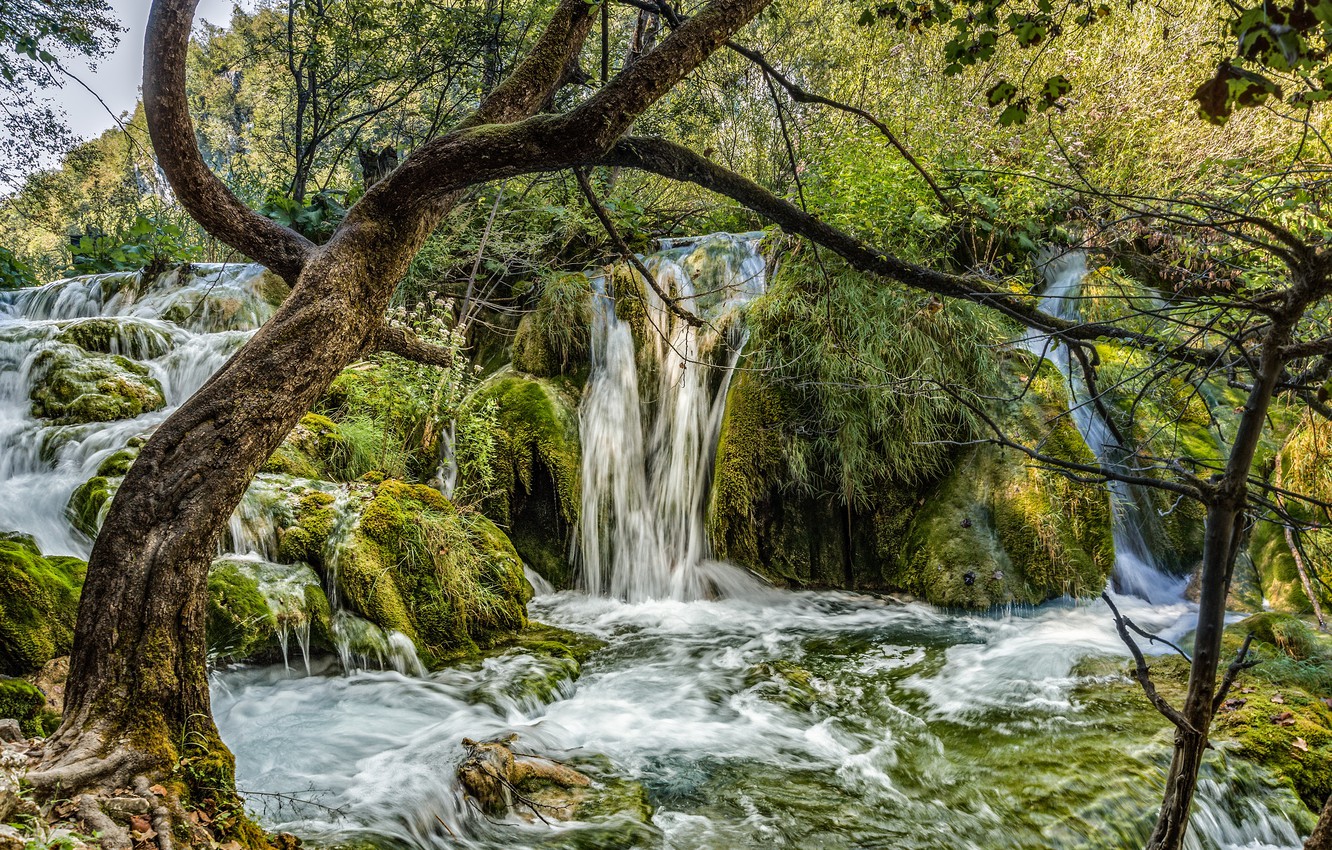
647,463
181,327
1137,570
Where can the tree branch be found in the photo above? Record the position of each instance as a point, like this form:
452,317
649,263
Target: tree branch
628,255
680,163
402,342
204,196
1143,674
1236,667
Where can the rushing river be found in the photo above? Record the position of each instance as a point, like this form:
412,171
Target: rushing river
929,730
761,719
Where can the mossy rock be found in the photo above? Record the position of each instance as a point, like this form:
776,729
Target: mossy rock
448,579
118,462
784,682
24,702
791,538
556,654
1291,635
72,387
252,603
536,468
1275,714
88,504
556,337
39,599
134,338
998,528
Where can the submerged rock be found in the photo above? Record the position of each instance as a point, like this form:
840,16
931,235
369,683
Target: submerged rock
72,386
39,598
501,781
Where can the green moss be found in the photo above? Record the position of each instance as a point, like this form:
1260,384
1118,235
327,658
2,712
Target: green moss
313,523
119,462
38,604
24,702
252,604
1292,636
450,580
240,625
556,338
87,505
536,468
749,462
1000,529
72,386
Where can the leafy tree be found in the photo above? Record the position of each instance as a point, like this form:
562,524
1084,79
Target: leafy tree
32,33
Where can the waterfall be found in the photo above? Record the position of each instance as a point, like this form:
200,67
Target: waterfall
1137,570
647,462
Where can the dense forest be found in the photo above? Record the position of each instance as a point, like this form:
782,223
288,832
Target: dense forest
551,423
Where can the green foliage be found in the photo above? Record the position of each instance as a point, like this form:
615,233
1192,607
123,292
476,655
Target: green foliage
556,337
14,273
38,603
34,35
148,244
872,376
315,218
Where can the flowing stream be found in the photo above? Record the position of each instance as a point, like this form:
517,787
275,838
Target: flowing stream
752,717
1137,571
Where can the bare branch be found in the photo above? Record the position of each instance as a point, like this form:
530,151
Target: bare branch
1143,674
1236,667
404,343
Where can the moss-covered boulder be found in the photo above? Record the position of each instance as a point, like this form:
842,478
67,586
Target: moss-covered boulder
993,529
22,701
535,469
256,607
39,598
407,560
89,503
71,386
139,339
556,337
448,579
1000,529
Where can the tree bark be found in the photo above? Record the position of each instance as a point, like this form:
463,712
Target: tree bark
1321,839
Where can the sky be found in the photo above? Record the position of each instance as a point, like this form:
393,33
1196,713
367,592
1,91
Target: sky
116,78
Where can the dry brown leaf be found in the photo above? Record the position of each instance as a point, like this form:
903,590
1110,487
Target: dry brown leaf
1278,699
1301,745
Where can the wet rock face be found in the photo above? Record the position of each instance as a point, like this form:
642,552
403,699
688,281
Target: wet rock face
71,386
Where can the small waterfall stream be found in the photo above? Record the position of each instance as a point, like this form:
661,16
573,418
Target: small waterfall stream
752,718
1137,571
647,463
